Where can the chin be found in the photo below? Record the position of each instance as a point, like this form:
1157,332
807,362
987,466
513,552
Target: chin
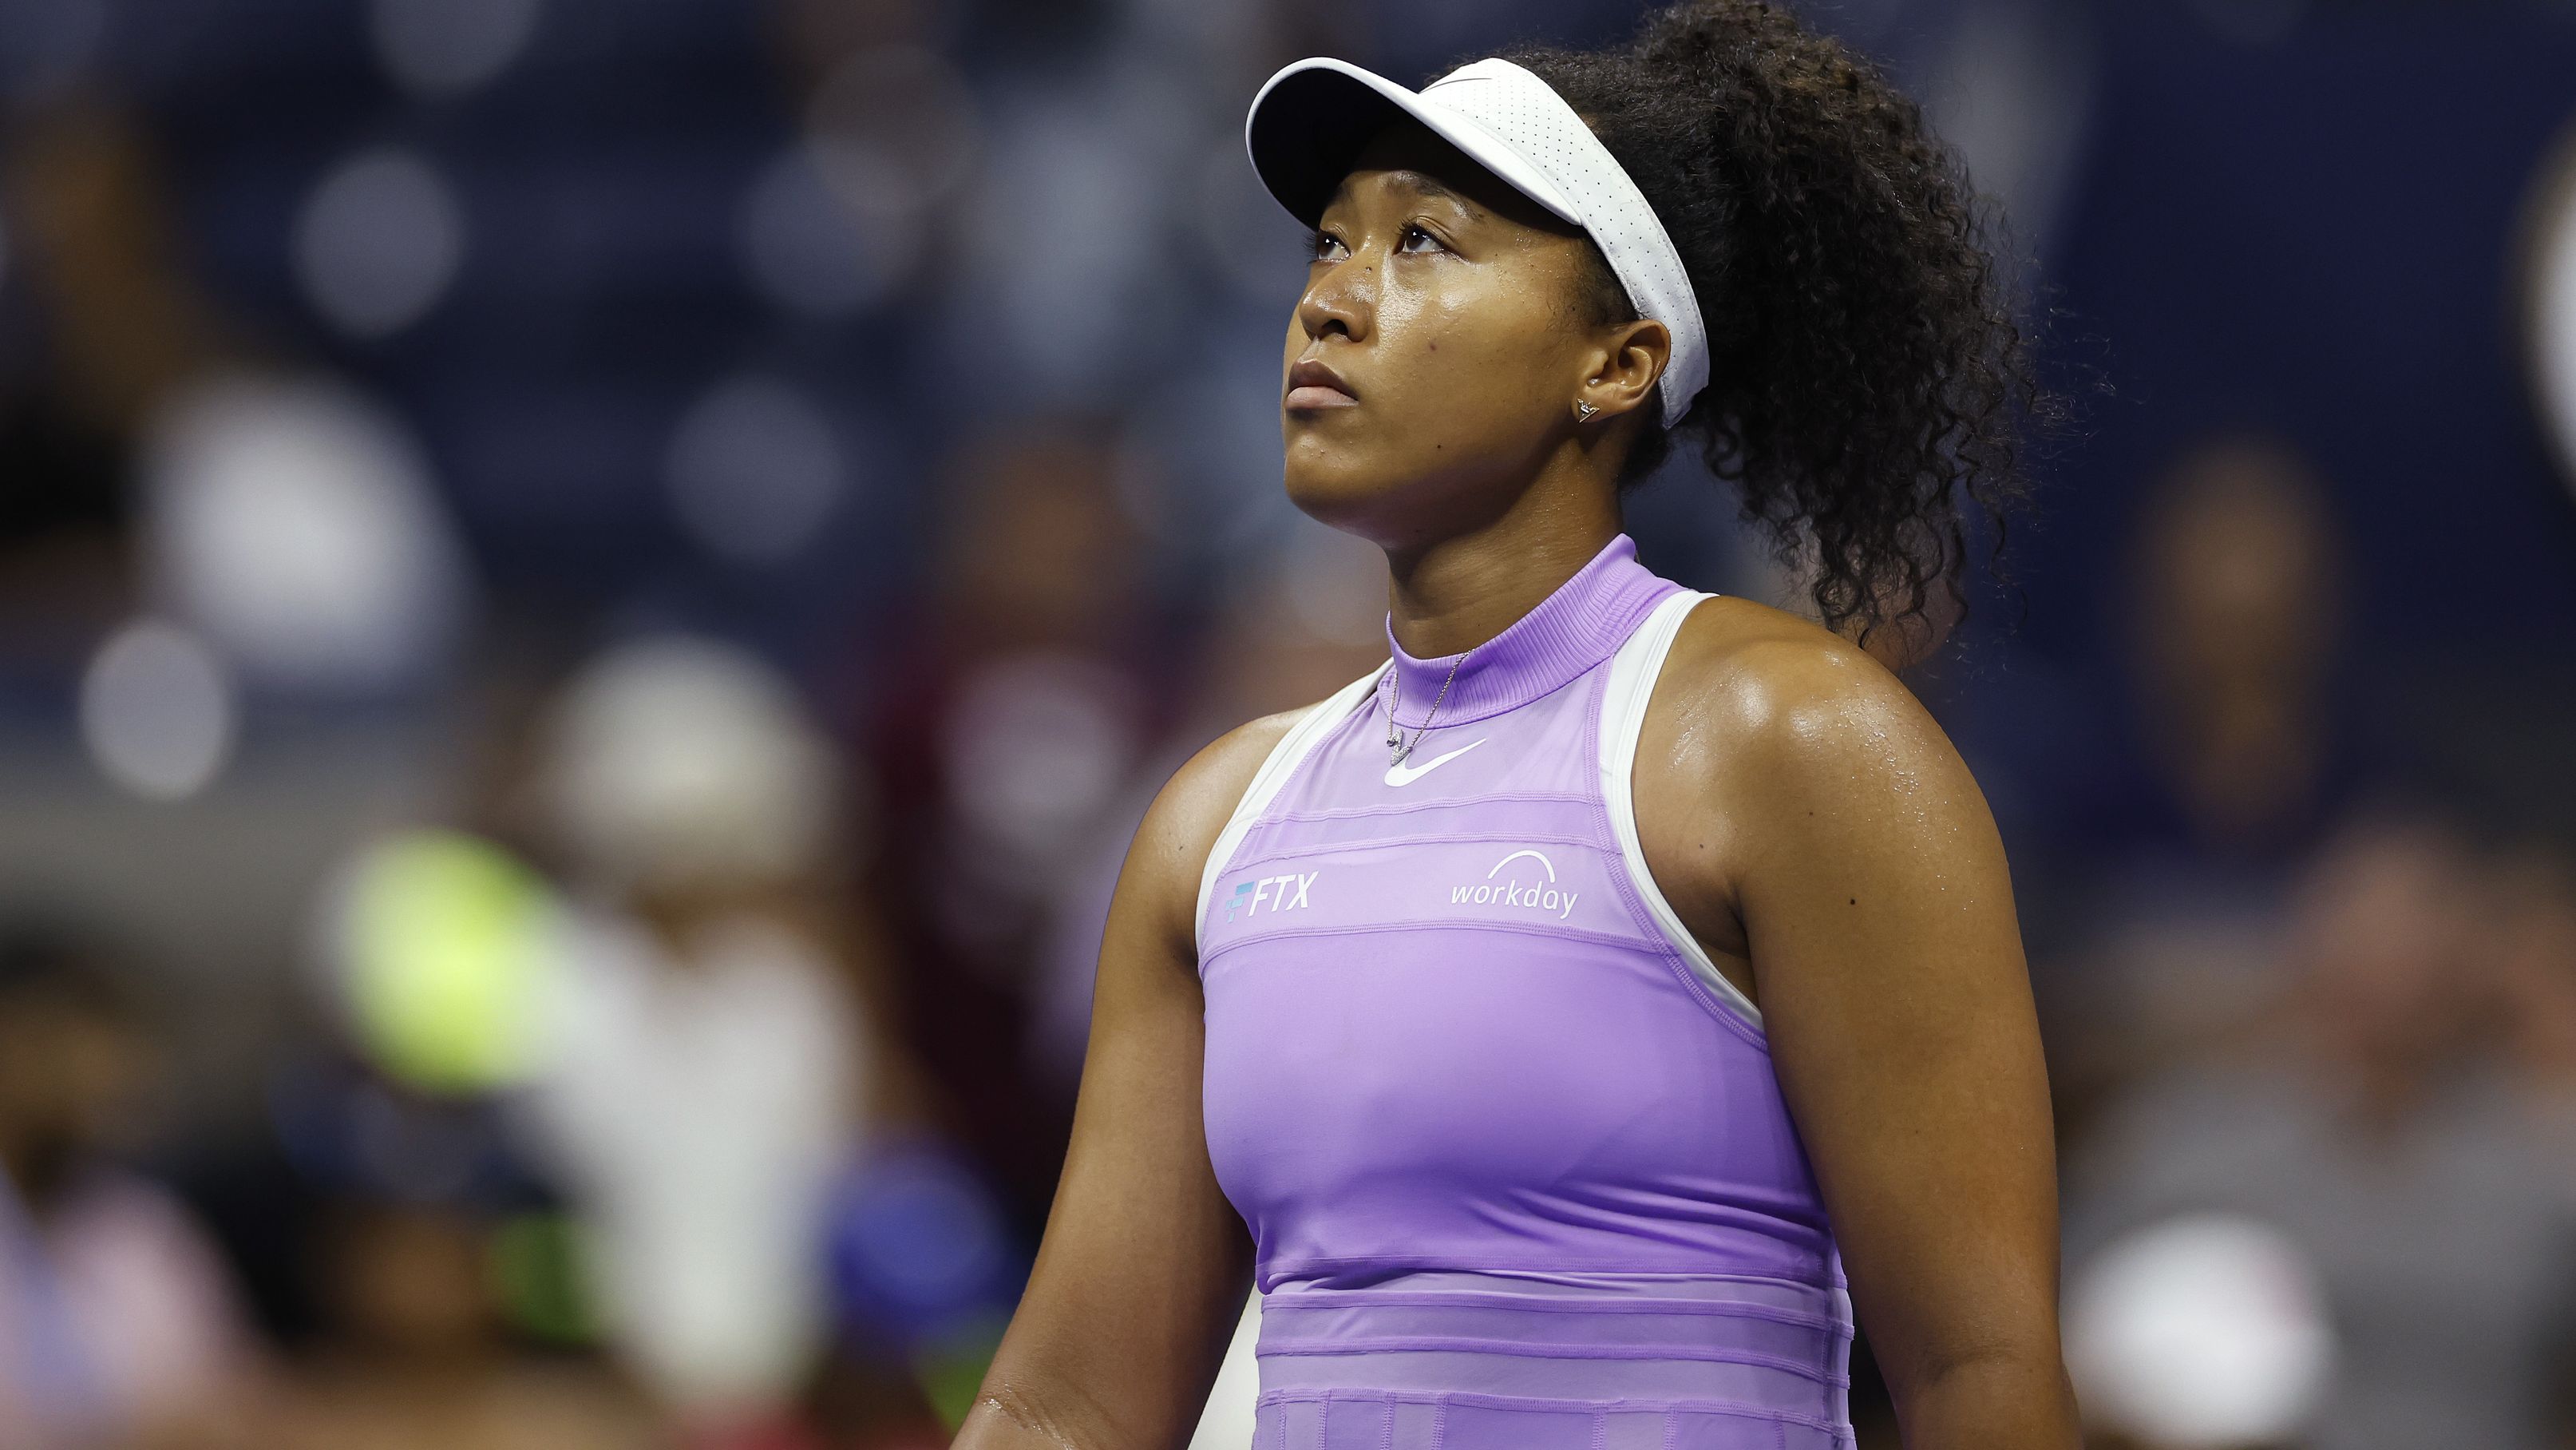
1396,493
1330,486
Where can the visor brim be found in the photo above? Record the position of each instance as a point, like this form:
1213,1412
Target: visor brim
1310,121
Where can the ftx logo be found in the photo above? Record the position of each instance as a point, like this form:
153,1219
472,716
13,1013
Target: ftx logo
1284,893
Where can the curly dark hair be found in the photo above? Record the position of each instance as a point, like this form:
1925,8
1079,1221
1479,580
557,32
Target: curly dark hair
1867,373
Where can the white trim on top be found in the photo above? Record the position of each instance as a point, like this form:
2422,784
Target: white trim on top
1633,672
1282,762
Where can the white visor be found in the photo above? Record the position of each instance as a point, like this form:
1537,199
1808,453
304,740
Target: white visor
1310,120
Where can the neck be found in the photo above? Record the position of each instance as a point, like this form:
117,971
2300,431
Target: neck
1452,595
1581,619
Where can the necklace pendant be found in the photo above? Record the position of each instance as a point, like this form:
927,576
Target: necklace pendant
1398,748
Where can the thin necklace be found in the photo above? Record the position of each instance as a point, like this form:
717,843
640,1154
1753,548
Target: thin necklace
1398,748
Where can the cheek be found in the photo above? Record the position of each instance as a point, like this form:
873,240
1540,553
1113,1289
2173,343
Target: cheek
1463,371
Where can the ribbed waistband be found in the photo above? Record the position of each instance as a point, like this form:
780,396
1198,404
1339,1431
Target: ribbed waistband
1520,1361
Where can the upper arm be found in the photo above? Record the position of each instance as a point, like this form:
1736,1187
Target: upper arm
1869,888
1141,1275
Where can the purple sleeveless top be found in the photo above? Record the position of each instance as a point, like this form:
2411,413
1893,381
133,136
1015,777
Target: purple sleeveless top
1512,1151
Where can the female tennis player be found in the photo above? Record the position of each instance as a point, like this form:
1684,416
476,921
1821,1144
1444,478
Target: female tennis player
1567,1006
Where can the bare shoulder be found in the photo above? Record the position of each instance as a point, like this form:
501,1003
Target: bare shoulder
1785,777
1199,797
1190,812
1774,710
1773,679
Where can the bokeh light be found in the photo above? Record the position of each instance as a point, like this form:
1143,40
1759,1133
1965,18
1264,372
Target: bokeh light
437,47
158,711
755,469
894,129
2549,279
808,252
378,241
298,525
2200,1333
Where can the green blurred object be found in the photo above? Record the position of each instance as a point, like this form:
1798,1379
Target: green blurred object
537,1276
951,1367
444,954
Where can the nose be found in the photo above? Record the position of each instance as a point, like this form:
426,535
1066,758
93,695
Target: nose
1341,297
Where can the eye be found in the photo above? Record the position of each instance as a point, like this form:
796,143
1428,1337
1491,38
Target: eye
1321,244
1405,242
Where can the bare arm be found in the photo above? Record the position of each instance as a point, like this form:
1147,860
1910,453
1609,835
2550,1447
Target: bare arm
1142,1273
1827,836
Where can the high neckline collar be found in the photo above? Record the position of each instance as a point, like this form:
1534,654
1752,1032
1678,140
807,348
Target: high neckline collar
1581,624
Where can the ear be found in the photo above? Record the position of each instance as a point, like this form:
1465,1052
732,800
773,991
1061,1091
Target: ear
1624,368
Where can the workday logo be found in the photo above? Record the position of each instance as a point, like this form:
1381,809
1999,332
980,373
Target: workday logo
1283,893
1511,894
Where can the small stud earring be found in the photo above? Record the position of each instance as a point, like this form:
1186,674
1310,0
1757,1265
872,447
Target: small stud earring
1583,411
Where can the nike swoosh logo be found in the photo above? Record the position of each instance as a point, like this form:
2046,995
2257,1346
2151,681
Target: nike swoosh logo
1408,774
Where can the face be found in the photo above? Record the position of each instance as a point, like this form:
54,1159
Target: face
2239,579
1441,342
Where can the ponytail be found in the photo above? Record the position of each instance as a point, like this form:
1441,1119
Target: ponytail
1868,378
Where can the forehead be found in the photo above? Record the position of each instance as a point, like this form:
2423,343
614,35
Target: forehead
1405,159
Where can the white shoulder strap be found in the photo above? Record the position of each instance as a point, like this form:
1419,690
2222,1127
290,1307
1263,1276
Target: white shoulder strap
1282,762
1633,672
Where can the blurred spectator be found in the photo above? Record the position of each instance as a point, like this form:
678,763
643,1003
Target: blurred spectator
118,1323
199,513
2237,616
416,1357
97,327
1015,722
2234,613
2368,1124
704,1077
97,243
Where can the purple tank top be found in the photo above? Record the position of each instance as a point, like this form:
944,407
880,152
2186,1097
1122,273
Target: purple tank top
1511,1149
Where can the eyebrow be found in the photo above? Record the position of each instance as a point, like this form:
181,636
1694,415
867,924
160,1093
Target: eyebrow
1422,183
1428,185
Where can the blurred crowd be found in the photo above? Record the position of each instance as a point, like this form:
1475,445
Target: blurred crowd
590,591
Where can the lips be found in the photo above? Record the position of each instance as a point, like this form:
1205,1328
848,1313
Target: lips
1313,385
